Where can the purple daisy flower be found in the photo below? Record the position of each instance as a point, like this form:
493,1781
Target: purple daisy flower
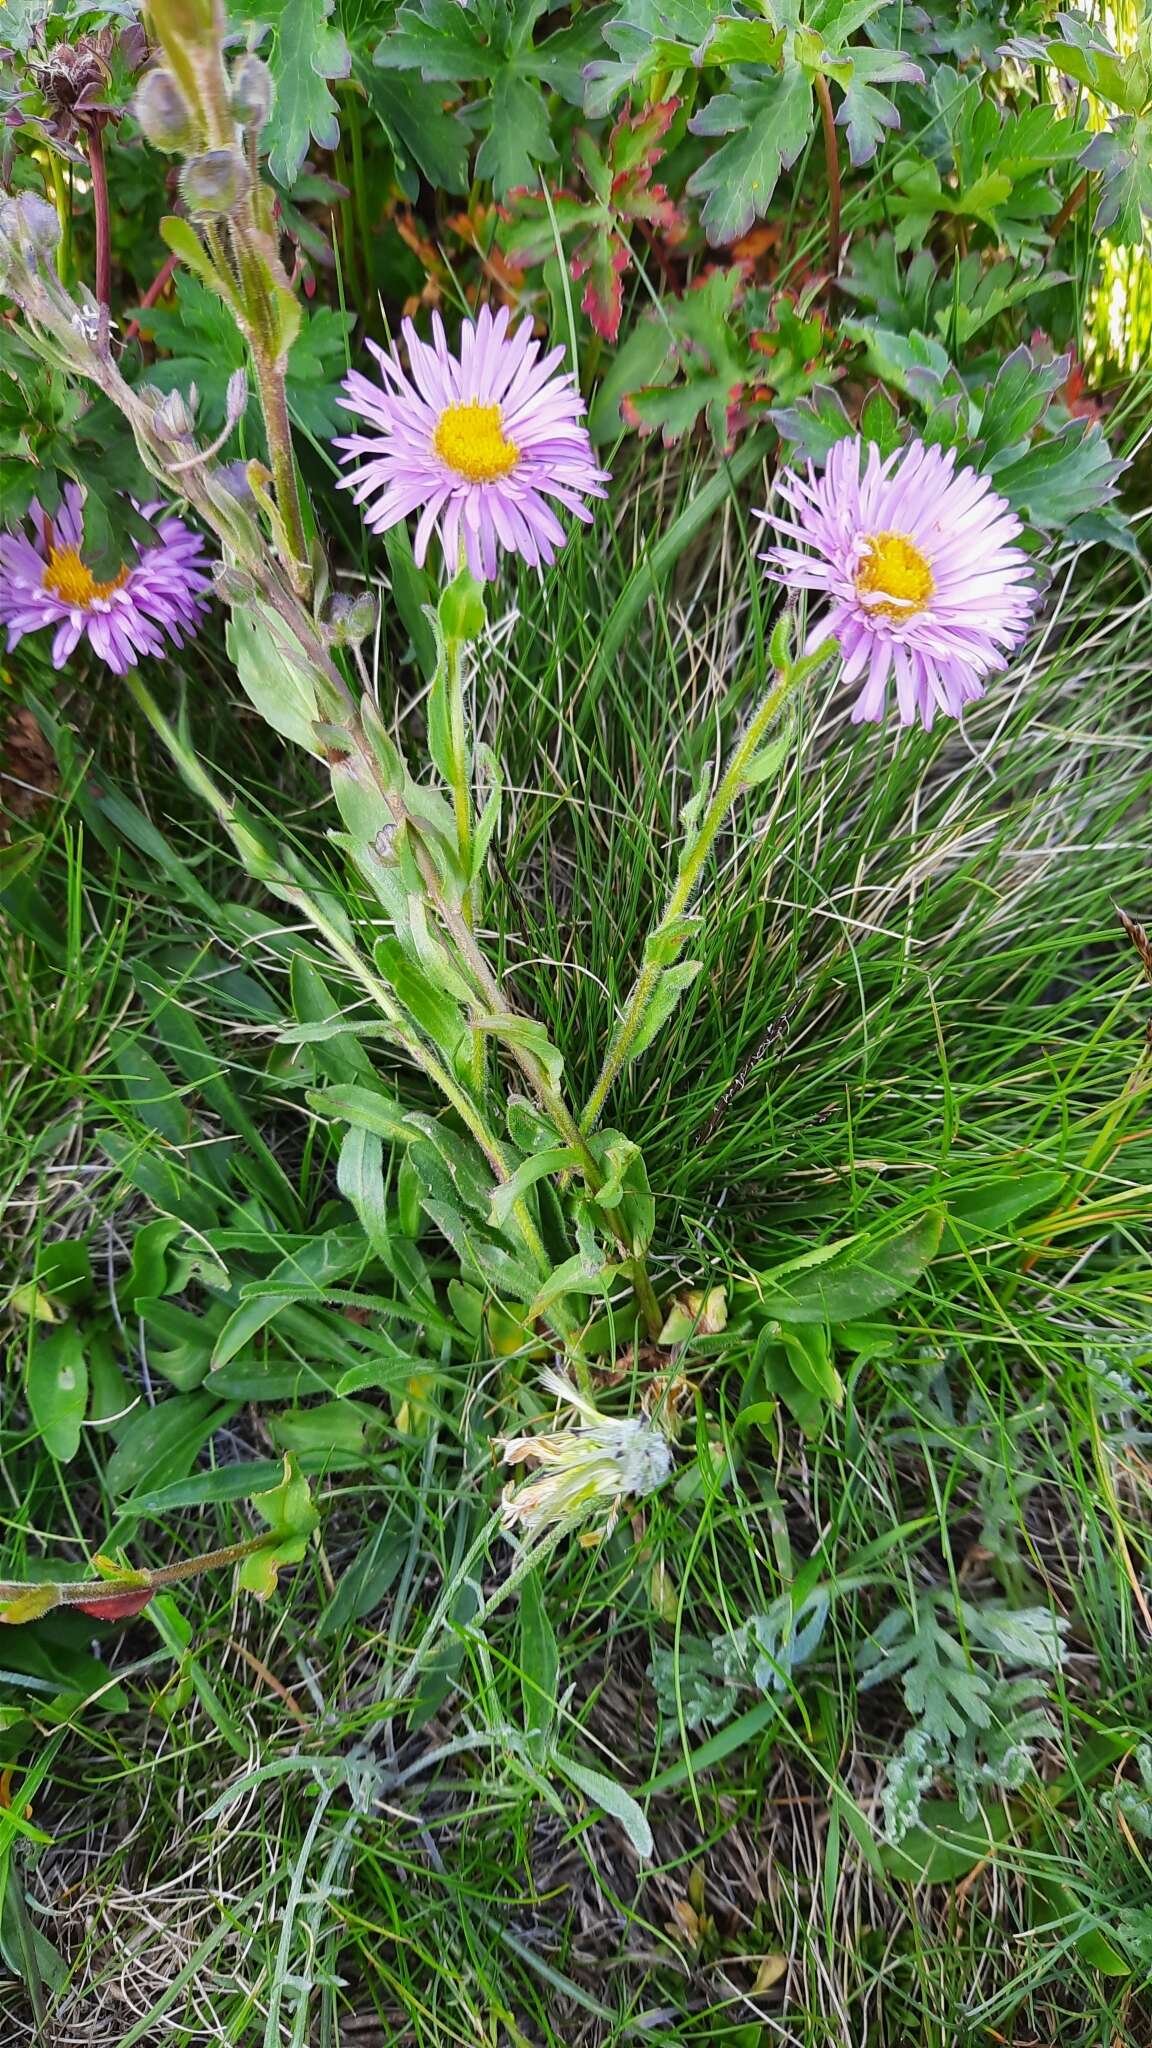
479,441
45,581
915,559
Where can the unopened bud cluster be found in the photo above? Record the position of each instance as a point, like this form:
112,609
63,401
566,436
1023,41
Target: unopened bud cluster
169,123
349,620
29,228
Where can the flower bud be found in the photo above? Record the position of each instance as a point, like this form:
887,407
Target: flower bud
175,417
252,92
233,478
214,183
165,118
30,226
348,620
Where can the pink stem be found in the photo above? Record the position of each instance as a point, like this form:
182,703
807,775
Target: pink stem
159,284
103,221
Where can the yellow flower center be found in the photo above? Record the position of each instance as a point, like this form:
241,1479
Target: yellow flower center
470,439
71,580
894,577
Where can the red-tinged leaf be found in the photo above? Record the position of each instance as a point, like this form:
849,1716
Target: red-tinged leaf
633,141
654,206
116,1606
594,226
603,299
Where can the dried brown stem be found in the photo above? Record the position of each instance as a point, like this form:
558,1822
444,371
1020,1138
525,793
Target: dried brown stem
832,163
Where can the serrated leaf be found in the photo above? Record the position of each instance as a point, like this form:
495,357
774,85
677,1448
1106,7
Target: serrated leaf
768,124
305,53
519,137
1120,154
866,115
492,44
814,424
414,116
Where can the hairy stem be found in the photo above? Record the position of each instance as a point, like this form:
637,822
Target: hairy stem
285,885
278,428
460,777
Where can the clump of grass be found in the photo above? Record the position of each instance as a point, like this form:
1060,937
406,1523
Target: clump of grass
914,982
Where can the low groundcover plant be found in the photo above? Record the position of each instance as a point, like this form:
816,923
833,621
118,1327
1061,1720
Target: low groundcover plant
484,446
894,572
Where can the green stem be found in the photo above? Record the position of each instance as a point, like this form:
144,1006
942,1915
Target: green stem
288,889
645,1293
64,215
461,780
493,1000
75,1592
529,1558
691,865
461,777
282,459
359,183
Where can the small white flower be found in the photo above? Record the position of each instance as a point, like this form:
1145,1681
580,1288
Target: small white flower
588,1470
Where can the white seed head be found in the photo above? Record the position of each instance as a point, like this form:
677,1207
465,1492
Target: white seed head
590,1470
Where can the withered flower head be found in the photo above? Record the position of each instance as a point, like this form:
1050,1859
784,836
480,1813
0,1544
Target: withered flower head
85,83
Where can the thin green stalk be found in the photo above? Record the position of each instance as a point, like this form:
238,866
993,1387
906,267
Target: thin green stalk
691,866
461,780
63,203
460,777
282,459
360,187
530,1556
